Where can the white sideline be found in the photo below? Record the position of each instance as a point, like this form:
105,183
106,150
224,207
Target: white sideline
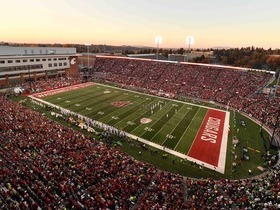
223,149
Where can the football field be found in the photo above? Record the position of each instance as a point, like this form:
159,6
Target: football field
193,132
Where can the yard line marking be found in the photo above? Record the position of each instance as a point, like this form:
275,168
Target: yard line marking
224,143
126,117
156,120
62,90
89,101
179,154
176,125
186,129
170,123
124,108
100,107
153,122
174,100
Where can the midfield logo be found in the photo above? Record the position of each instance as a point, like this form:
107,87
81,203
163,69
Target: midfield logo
120,103
145,120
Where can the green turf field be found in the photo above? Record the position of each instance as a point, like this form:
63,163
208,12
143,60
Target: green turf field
177,131
172,124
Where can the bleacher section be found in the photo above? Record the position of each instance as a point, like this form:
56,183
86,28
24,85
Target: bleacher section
240,89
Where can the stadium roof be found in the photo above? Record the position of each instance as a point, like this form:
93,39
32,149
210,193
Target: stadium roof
148,56
30,51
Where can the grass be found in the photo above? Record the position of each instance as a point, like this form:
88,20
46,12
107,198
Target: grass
174,124
177,131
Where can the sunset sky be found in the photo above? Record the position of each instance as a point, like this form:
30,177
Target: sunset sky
213,23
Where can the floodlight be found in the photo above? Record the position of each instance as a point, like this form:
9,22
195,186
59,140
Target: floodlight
190,40
158,40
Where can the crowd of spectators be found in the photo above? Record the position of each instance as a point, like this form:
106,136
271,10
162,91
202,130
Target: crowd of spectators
166,191
240,89
45,165
262,193
205,82
48,84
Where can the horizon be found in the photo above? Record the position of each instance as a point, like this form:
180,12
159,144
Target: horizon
136,46
136,23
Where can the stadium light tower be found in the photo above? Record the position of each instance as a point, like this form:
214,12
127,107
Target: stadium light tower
87,54
189,41
158,40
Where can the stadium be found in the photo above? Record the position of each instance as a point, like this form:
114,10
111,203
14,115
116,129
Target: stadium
135,133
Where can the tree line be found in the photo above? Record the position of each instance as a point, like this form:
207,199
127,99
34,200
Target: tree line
249,57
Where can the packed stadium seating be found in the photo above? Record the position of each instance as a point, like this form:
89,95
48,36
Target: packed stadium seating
238,88
48,84
164,192
192,80
51,166
45,165
260,193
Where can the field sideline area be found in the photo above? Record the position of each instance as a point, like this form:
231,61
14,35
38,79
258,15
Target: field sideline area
192,132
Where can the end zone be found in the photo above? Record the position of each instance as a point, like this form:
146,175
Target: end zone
210,144
61,90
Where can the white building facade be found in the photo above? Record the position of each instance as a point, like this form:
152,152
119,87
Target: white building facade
18,64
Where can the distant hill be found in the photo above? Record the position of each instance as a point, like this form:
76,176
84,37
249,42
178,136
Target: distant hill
220,48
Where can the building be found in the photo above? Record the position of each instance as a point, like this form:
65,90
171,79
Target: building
190,56
19,64
147,56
